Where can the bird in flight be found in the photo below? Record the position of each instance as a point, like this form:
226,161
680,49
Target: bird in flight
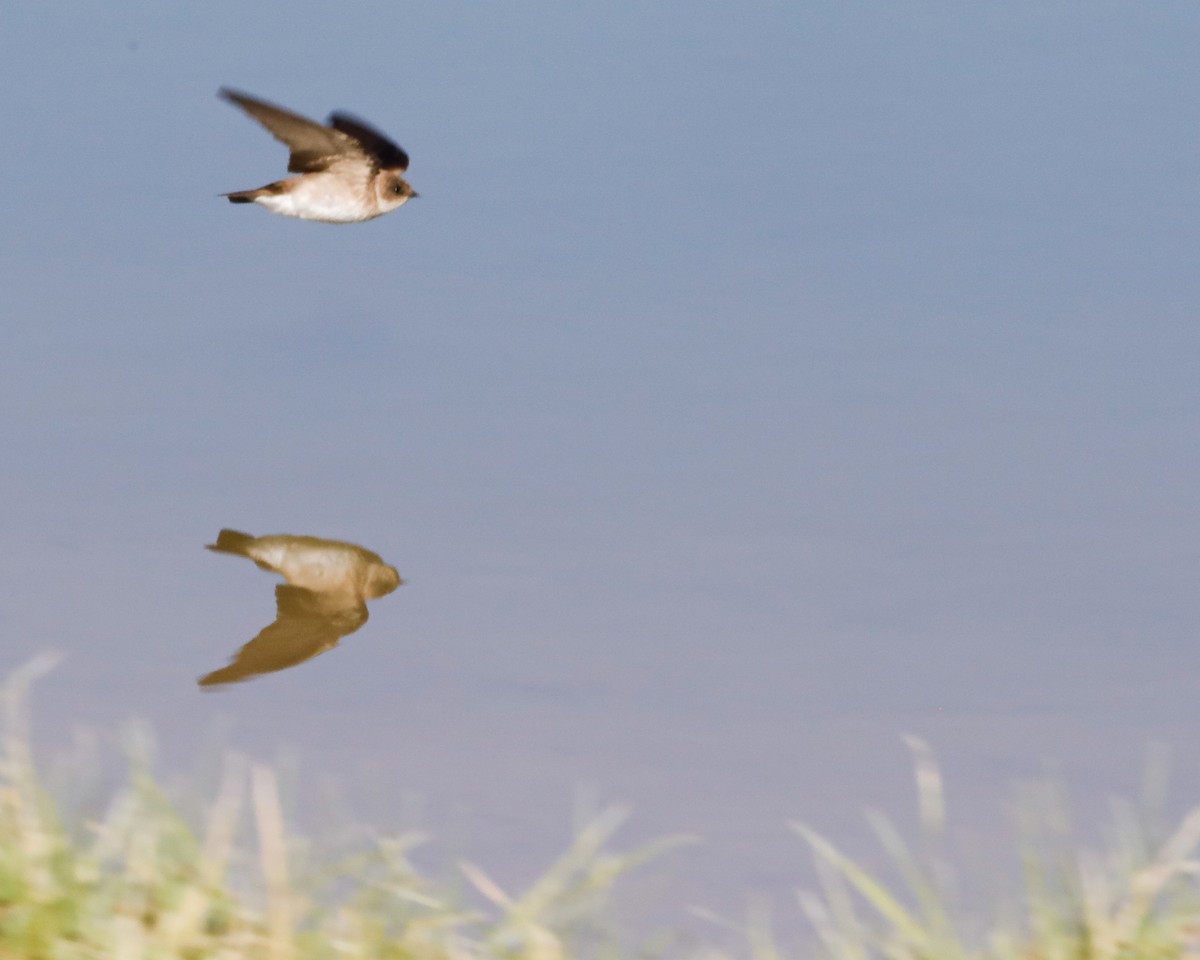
349,172
324,599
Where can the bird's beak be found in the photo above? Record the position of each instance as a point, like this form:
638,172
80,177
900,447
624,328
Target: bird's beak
414,195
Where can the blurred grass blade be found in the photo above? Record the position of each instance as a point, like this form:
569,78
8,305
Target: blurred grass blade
868,887
268,817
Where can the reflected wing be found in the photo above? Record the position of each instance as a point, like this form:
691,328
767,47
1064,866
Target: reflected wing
313,146
306,624
387,155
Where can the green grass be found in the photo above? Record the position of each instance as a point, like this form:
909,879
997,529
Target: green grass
141,880
1136,898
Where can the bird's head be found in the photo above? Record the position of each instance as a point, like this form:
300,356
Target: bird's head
382,580
393,190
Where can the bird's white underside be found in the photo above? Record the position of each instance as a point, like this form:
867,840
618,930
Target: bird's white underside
328,569
329,197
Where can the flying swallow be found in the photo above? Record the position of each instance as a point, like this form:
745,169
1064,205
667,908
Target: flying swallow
323,600
349,172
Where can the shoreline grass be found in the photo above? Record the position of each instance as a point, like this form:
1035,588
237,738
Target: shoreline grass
138,880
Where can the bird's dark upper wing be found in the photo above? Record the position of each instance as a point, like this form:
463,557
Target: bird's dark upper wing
388,156
313,146
306,624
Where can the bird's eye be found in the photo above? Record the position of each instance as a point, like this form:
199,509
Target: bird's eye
397,188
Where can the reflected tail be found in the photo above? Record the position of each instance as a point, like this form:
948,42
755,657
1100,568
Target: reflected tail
233,541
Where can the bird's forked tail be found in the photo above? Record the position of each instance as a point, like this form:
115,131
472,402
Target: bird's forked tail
232,541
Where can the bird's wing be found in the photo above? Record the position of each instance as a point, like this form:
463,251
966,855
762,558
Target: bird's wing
306,624
387,155
313,146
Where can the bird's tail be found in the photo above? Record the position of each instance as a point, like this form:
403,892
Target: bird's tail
249,196
233,541
245,196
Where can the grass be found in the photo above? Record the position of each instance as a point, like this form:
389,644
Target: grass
141,880
1137,898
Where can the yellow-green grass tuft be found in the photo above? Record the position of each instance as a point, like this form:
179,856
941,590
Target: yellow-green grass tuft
142,881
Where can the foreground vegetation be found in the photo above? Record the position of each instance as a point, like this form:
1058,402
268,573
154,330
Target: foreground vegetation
141,880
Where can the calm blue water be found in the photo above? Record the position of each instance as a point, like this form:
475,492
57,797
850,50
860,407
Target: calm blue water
749,385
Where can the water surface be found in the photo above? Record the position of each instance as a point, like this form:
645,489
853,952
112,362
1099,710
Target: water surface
748,386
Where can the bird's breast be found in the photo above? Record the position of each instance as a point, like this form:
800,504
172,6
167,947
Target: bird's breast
333,196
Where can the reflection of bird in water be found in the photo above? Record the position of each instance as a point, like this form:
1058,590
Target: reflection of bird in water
323,600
